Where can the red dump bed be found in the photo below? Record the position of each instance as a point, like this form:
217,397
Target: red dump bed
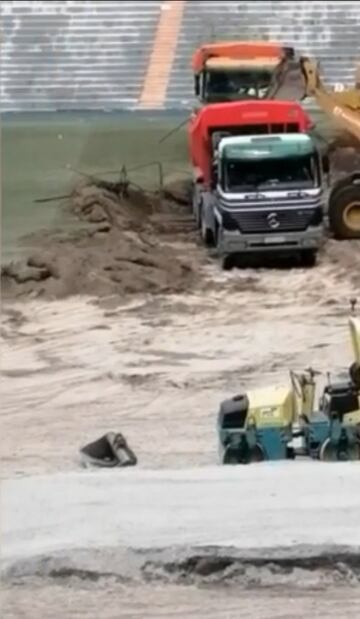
240,118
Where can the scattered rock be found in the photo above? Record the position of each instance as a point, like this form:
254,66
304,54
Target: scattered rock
22,274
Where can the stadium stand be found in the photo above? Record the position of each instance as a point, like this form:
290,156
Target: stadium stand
328,31
75,55
96,54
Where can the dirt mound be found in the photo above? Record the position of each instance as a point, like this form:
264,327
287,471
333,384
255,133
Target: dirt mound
125,247
217,567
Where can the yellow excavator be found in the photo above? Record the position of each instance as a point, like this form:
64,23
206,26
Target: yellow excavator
343,108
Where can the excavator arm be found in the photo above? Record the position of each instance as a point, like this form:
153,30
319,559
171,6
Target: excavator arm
343,108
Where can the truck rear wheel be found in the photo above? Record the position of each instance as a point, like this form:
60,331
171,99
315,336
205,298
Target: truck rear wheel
344,212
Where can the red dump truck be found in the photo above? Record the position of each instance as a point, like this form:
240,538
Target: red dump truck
258,179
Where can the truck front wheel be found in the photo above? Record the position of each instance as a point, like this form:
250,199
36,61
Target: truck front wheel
207,234
196,205
344,212
308,258
227,262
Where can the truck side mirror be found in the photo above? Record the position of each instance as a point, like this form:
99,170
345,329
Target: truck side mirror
197,85
326,164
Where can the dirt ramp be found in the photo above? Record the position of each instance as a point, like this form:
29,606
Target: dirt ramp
123,249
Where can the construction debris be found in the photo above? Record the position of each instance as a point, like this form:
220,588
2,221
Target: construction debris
109,450
124,248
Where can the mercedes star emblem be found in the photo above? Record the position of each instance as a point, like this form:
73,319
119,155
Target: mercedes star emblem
273,221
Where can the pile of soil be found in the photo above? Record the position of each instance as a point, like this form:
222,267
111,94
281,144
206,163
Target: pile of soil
125,247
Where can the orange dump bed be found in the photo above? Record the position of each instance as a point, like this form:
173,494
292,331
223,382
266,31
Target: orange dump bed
240,51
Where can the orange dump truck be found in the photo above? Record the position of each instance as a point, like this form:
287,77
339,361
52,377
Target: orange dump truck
237,70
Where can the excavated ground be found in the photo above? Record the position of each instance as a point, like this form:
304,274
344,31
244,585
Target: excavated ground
125,247
128,324
133,242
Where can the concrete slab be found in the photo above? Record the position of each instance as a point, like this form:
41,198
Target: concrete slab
262,506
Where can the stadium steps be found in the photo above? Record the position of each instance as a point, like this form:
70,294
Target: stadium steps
75,55
161,59
326,30
95,54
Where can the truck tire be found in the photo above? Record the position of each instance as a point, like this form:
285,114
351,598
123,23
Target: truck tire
339,186
196,205
308,258
207,234
227,262
344,212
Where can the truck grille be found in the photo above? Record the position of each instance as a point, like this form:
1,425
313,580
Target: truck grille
268,221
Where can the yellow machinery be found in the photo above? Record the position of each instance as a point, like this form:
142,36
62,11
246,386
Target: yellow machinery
344,109
331,431
263,424
354,325
256,426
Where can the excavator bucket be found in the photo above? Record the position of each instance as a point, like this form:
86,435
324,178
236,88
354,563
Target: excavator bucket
288,81
298,78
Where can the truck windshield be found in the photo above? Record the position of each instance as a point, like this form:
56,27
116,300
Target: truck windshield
274,173
236,85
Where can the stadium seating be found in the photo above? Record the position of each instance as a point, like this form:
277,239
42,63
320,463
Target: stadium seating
328,31
94,54
75,55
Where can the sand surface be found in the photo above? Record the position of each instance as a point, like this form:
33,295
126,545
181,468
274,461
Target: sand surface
288,505
274,540
111,600
155,367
